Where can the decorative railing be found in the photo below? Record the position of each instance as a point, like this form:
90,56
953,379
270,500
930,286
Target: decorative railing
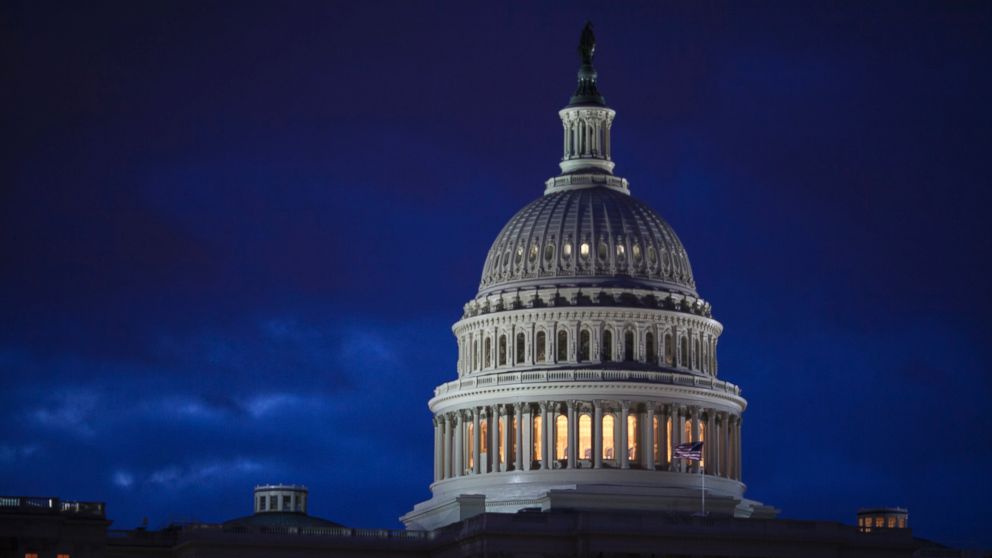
44,504
552,376
217,528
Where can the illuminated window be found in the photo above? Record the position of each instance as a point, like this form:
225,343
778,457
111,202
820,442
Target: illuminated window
608,437
484,438
607,348
584,345
632,437
533,252
902,522
538,455
655,446
585,437
621,251
562,345
470,444
891,522
628,346
539,350
687,435
520,255
702,438
584,250
668,438
502,350
649,349
879,521
61,556
635,251
561,437
520,348
31,555
566,250
501,437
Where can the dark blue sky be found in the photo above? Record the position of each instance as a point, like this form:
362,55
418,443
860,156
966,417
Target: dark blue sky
235,236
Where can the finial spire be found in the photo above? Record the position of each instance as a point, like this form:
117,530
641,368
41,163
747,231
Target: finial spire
586,94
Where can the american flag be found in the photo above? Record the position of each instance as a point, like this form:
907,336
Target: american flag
691,450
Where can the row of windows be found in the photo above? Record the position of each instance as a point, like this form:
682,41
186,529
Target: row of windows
271,503
501,263
477,354
865,524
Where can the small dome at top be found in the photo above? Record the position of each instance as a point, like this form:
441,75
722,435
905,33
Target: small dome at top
591,236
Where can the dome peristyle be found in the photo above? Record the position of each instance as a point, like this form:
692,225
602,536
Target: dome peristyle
590,235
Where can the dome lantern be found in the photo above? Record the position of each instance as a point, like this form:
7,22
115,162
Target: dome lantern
586,120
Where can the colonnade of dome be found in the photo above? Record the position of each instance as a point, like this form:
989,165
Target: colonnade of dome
549,337
584,434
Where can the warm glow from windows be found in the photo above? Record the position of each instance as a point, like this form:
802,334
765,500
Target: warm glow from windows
538,454
61,556
31,555
620,250
891,523
484,436
655,446
501,436
561,437
608,437
668,438
584,249
470,430
632,438
566,250
585,437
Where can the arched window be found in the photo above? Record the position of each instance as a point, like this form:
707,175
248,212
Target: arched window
537,437
561,437
520,348
650,355
502,350
585,437
489,353
669,350
695,353
628,346
607,348
584,345
562,345
684,353
539,349
632,449
608,437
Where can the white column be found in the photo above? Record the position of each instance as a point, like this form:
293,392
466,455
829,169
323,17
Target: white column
497,420
446,452
649,439
573,435
437,449
597,435
527,433
459,464
624,446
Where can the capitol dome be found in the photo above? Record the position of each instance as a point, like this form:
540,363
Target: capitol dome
587,362
590,231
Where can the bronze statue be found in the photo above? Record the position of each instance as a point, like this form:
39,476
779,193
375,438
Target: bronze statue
587,44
